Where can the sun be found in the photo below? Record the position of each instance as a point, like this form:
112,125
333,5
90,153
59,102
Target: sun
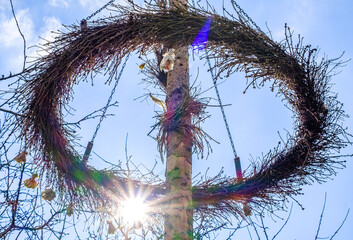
134,211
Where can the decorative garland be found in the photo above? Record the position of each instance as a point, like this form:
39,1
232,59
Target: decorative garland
236,46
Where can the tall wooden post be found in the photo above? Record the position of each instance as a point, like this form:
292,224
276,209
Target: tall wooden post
178,215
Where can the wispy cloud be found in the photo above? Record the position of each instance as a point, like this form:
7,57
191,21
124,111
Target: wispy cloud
59,3
303,9
11,43
46,34
92,4
10,36
96,4
293,12
50,24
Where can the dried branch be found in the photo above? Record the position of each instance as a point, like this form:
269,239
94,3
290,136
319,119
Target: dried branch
339,228
23,37
320,221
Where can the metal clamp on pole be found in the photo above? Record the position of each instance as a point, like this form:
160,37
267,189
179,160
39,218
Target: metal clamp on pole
238,169
246,207
87,152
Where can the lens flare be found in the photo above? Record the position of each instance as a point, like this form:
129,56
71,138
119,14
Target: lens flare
201,38
134,211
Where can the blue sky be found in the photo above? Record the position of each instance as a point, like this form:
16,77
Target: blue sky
255,118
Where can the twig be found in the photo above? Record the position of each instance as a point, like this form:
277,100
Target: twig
263,226
285,223
11,112
253,225
322,213
23,37
345,218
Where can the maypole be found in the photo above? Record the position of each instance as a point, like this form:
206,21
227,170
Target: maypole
178,215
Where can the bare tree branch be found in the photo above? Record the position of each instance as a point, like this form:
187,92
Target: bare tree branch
321,216
23,37
345,218
285,223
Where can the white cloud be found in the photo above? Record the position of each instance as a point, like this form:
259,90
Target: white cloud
58,3
46,34
302,15
299,15
11,42
10,35
93,5
50,24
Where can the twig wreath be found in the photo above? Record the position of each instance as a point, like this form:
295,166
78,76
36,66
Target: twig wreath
235,45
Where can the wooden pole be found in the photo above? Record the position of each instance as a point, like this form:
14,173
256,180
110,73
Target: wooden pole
178,215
